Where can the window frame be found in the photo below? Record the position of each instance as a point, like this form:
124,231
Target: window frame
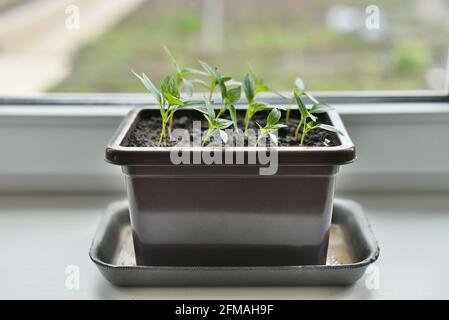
81,125
141,99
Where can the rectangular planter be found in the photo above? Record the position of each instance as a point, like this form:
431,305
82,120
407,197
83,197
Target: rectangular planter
229,214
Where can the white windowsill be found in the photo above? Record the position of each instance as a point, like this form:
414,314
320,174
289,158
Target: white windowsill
45,234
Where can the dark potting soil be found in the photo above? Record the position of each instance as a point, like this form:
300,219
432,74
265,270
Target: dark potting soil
147,131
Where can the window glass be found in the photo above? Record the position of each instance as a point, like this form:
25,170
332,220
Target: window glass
92,45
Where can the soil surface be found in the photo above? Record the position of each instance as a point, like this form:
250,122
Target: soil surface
147,131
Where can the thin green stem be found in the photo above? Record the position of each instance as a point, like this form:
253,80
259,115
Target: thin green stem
248,117
170,122
207,137
163,137
222,110
297,129
304,133
287,115
171,117
245,121
258,140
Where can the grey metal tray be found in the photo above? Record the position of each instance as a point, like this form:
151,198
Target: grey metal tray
352,247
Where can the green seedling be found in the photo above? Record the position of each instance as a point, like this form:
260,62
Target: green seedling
260,86
168,98
272,125
250,89
252,86
229,96
299,88
308,119
183,80
216,124
182,75
216,79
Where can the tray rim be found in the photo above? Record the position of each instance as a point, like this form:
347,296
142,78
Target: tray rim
354,207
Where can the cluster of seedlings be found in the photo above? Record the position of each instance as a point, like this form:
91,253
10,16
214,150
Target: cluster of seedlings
168,96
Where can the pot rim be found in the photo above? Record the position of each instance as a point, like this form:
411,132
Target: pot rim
118,154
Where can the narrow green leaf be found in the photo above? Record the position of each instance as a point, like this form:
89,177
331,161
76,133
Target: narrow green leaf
223,90
302,107
257,107
209,108
149,85
223,123
209,120
248,86
170,86
260,87
200,108
312,98
173,60
233,114
283,108
328,128
320,108
188,86
200,82
309,125
192,71
233,95
273,117
193,102
174,101
278,126
210,71
305,114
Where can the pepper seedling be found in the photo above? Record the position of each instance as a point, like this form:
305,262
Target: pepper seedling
260,85
182,75
229,96
253,85
168,98
250,89
308,119
215,78
215,123
272,125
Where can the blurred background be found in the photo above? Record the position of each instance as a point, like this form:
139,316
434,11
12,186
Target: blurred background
91,45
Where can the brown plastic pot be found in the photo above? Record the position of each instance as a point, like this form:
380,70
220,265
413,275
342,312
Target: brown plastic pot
229,214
